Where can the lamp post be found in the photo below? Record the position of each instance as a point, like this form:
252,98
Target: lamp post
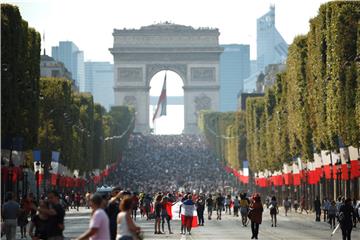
338,178
24,179
305,185
348,165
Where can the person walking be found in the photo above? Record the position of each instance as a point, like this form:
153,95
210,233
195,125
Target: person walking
273,211
22,220
255,215
346,213
286,205
99,222
236,206
317,207
219,206
210,206
112,210
157,211
183,227
332,212
126,226
227,204
200,208
244,208
325,206
39,223
9,212
56,215
189,208
303,205
135,205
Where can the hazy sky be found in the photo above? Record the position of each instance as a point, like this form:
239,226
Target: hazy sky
90,23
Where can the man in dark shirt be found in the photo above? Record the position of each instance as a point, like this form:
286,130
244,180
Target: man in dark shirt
112,211
9,212
317,207
210,205
56,215
219,205
345,217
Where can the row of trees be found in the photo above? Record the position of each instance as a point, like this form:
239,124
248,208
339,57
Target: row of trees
20,57
314,105
87,136
46,113
226,133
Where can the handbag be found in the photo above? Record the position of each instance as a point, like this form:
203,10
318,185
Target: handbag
250,213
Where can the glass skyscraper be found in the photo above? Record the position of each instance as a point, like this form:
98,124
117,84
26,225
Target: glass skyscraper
73,59
234,68
271,47
99,81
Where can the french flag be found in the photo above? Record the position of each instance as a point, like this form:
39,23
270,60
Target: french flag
161,106
188,210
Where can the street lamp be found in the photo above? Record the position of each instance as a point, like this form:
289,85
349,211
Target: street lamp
338,177
348,165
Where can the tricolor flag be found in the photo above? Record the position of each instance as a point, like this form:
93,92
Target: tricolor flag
188,213
161,106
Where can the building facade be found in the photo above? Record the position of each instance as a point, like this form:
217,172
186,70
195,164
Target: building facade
271,48
194,54
270,45
49,67
73,59
234,68
99,81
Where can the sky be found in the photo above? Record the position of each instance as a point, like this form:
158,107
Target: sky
90,24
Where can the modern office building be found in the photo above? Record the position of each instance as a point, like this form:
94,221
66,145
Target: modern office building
99,81
234,68
73,59
271,47
49,67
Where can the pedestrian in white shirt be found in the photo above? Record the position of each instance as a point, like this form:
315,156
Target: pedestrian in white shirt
99,222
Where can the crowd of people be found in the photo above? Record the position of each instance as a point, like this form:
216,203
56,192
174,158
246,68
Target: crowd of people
157,175
176,162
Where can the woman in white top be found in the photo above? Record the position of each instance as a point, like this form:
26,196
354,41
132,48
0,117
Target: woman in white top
126,226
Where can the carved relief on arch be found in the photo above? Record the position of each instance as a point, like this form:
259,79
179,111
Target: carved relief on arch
130,101
152,69
201,102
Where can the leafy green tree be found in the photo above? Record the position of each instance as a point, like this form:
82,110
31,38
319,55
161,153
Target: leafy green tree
20,63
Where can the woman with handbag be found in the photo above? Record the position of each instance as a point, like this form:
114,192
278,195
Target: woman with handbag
255,215
127,230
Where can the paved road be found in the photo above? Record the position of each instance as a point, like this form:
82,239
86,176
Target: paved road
294,226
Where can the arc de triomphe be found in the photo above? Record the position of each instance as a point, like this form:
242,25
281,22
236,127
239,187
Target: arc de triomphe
192,53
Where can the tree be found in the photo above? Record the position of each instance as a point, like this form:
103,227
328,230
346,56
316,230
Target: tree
20,70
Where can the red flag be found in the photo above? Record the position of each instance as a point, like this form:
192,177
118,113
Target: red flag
344,172
297,180
53,179
355,168
327,171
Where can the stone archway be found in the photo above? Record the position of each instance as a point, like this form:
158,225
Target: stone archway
192,53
